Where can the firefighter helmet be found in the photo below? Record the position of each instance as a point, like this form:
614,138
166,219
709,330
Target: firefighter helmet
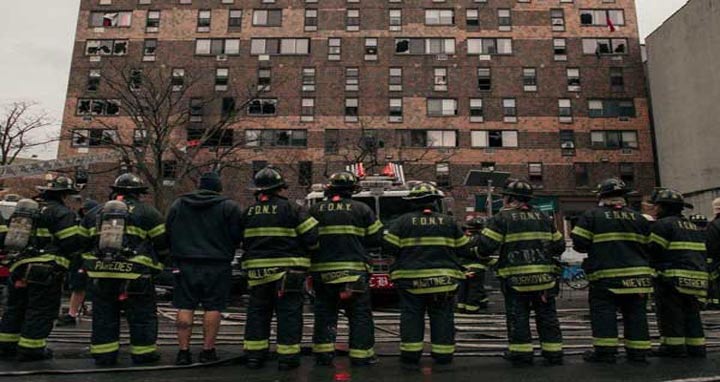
59,184
423,191
343,180
700,220
518,188
612,187
129,182
268,179
476,223
670,197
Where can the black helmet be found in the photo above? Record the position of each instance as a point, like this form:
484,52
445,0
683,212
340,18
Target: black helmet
476,223
268,179
612,187
518,188
343,180
59,184
129,182
424,191
670,197
699,220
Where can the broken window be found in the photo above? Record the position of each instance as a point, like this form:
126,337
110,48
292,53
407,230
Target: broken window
262,107
106,47
93,83
110,19
150,47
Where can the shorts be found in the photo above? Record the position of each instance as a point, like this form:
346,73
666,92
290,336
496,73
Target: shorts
202,283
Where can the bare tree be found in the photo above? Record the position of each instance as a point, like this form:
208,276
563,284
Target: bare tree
22,127
167,130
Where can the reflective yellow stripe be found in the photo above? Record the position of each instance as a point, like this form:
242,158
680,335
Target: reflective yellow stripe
358,353
339,266
638,345
552,346
461,242
526,269
306,226
157,231
631,290
59,260
440,289
687,245
140,350
32,344
266,280
301,262
411,346
527,236
620,236
534,288
695,341
148,262
607,342
9,337
557,236
582,232
493,235
288,349
88,256
270,231
105,348
112,275
136,231
67,232
392,239
3,228
423,273
693,292
673,341
374,228
341,280
442,349
521,348
620,272
699,275
659,240
256,345
323,348
341,230
43,232
433,241
475,266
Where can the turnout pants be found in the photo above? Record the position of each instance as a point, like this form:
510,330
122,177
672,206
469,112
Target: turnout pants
471,294
518,306
264,300
604,305
359,311
439,306
140,309
29,315
679,319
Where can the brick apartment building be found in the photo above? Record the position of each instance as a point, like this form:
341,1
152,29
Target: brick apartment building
549,90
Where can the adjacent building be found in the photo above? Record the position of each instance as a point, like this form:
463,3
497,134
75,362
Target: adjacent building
685,86
552,91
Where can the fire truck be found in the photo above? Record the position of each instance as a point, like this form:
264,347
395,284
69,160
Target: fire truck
384,193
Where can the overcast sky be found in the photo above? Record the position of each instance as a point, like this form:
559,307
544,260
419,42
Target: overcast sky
36,42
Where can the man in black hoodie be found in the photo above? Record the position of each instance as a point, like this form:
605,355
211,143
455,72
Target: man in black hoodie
204,231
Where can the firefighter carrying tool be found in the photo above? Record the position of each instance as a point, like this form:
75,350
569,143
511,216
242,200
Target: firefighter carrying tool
277,238
677,253
125,244
529,245
340,270
615,239
427,271
41,242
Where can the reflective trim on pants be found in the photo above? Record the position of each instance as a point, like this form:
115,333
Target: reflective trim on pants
411,346
288,349
105,348
638,345
32,343
358,353
443,349
673,341
140,350
256,345
9,337
606,342
323,348
551,346
521,348
695,341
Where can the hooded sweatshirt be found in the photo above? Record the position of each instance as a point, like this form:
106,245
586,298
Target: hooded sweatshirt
204,225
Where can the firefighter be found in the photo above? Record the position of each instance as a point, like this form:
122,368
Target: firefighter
615,239
204,229
529,246
471,295
713,295
677,253
41,243
126,242
713,255
277,238
427,247
347,228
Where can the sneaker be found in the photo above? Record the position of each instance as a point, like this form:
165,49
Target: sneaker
66,320
144,359
359,362
287,365
208,355
595,357
184,358
25,356
255,363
